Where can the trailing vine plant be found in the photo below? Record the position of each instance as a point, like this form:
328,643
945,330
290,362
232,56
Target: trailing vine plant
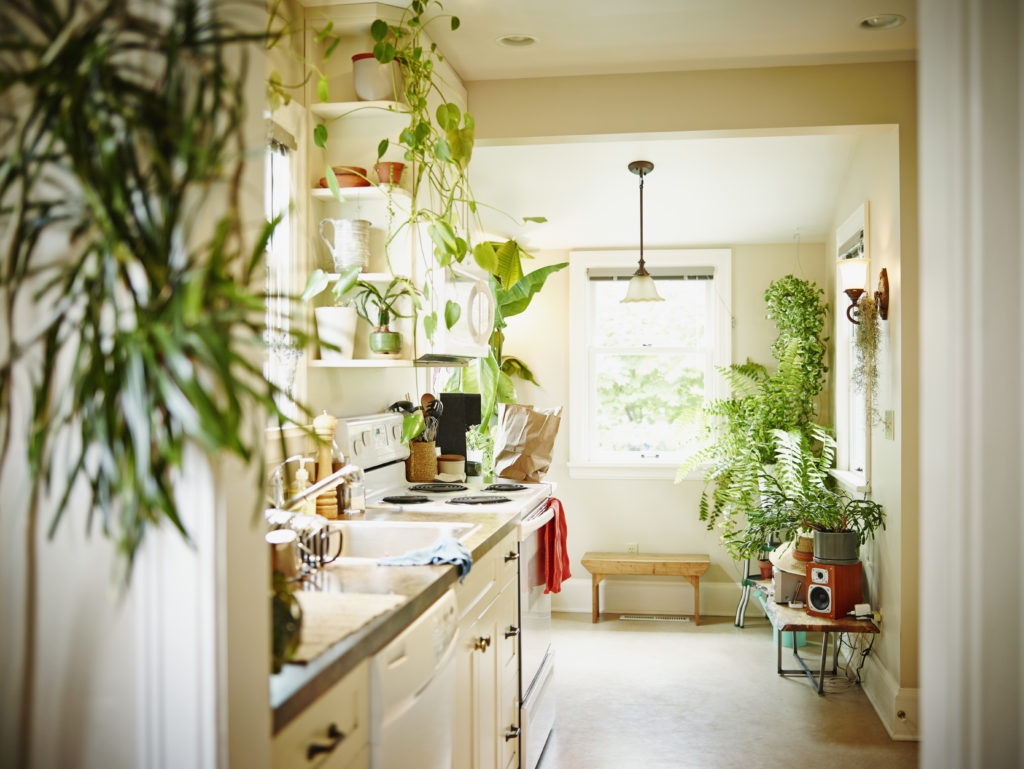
741,431
867,334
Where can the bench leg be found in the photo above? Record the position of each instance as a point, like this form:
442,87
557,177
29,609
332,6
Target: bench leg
695,581
596,601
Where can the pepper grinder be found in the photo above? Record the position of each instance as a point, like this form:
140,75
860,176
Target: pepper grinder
324,426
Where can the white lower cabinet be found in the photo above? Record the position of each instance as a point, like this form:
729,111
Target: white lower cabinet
332,733
487,666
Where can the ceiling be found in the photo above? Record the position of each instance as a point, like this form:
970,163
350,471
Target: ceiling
583,37
703,191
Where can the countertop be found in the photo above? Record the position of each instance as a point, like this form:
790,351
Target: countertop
298,686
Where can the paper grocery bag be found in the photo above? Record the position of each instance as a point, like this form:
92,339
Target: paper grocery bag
524,441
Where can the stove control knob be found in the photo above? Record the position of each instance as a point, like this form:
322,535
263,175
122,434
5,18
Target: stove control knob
396,432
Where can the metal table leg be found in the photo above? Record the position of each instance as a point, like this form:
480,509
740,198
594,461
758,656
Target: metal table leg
741,610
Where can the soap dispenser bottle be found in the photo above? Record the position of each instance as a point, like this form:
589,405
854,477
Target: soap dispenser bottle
301,484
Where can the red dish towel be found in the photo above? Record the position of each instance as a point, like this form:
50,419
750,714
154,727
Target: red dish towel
556,558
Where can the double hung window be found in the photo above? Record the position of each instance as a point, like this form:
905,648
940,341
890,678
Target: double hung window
641,371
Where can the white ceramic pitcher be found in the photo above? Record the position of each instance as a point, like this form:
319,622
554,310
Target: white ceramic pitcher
350,242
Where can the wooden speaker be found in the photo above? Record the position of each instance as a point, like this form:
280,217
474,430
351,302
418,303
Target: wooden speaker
833,590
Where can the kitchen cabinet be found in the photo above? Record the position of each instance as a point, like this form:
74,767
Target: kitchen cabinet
487,663
333,732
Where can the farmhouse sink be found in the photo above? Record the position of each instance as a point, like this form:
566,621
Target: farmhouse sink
376,539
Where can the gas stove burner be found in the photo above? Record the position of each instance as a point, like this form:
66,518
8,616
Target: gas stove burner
505,487
406,499
478,500
438,488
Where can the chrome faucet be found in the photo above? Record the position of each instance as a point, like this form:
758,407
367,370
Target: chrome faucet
351,476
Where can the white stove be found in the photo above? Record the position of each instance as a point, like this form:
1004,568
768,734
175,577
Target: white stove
374,443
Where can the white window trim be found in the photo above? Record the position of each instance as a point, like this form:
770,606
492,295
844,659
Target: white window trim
852,481
720,261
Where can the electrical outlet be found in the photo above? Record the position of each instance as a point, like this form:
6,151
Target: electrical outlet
889,421
632,547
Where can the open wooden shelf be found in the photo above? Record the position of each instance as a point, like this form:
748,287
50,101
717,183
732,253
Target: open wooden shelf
360,110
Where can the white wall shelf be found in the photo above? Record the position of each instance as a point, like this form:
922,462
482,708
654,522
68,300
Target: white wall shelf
369,277
358,194
363,363
360,109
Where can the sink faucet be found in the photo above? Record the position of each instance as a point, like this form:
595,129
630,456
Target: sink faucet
351,476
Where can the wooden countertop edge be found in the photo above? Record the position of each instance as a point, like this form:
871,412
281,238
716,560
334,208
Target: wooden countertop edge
344,656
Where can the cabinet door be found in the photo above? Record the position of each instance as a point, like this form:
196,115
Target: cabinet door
508,684
476,723
332,732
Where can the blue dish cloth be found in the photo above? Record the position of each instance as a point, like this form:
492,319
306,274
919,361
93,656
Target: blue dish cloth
444,550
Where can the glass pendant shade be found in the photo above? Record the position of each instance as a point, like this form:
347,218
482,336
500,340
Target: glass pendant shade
641,286
642,289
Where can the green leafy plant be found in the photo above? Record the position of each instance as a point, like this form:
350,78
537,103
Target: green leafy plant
385,303
513,290
145,334
741,431
866,337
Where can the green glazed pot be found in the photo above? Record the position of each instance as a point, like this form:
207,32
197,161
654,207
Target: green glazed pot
384,341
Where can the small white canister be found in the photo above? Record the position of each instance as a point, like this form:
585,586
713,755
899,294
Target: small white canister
452,464
374,81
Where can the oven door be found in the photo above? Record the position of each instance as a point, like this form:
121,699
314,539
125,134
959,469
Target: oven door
534,603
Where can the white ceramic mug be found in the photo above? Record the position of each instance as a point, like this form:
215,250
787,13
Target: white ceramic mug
350,242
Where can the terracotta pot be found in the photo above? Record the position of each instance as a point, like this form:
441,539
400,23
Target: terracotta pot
804,550
389,172
766,569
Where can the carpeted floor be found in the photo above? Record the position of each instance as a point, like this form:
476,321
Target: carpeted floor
661,695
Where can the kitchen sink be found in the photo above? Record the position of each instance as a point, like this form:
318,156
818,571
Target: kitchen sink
376,539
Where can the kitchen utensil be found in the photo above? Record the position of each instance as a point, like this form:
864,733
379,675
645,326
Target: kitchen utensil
430,428
284,552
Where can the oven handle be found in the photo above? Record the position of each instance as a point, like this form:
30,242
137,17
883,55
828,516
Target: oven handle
534,522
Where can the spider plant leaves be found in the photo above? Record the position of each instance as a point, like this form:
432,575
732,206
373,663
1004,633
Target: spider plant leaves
155,323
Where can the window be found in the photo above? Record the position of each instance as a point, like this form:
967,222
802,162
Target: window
853,446
281,363
640,372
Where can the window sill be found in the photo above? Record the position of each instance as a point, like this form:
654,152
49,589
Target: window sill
622,471
851,482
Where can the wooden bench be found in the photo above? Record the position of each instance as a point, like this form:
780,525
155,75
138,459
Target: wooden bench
601,565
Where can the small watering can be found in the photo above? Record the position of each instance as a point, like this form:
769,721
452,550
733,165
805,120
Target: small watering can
350,244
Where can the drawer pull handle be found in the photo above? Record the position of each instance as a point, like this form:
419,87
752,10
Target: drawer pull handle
334,734
482,643
512,556
512,733
512,631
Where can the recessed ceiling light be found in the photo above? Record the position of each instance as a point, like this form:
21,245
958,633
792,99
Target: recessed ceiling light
882,21
517,41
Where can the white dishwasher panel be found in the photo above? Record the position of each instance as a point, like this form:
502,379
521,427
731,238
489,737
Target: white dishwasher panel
412,693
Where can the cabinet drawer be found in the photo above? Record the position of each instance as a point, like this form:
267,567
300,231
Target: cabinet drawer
345,706
508,560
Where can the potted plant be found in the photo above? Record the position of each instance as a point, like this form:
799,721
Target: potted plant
374,305
742,430
799,497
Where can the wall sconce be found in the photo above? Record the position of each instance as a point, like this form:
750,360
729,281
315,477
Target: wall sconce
881,297
853,273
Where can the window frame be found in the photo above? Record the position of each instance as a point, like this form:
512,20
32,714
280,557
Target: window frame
719,262
853,481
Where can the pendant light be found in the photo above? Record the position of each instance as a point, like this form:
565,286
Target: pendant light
641,285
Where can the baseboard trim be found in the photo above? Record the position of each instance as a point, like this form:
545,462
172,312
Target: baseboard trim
897,707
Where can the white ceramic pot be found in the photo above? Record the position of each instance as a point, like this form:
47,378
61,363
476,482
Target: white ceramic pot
374,81
336,326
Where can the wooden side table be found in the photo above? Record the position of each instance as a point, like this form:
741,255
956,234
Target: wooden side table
794,621
601,565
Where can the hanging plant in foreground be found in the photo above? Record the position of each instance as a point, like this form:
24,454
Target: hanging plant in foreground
122,123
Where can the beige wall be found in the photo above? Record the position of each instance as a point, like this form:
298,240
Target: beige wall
763,100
